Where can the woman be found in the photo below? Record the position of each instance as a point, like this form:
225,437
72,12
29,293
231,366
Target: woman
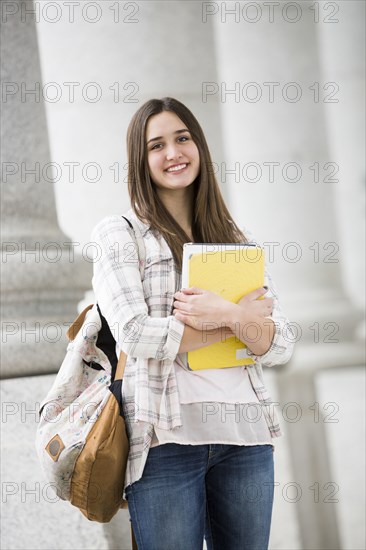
198,466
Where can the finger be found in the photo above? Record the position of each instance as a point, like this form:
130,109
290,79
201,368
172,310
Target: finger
257,293
178,315
181,306
185,293
181,297
192,290
186,319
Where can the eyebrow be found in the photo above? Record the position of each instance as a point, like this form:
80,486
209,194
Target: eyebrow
161,137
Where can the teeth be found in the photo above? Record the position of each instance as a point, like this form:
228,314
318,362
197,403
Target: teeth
175,168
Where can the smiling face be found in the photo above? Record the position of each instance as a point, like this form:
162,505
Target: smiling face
173,157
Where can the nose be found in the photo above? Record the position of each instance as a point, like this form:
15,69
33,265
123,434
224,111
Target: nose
173,152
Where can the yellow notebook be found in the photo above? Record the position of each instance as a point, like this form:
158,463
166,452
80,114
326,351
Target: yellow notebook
231,270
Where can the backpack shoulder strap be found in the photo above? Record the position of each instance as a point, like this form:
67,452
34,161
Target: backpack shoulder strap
105,333
77,324
140,244
122,358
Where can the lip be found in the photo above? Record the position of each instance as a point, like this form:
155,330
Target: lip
177,171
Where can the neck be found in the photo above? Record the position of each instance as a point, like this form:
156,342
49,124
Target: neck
179,204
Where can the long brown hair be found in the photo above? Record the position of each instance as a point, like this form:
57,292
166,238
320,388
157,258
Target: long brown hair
212,222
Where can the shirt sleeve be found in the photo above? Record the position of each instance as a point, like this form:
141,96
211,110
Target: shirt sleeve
119,292
281,348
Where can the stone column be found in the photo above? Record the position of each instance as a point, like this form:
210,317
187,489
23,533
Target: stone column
283,173
43,277
342,58
142,50
282,186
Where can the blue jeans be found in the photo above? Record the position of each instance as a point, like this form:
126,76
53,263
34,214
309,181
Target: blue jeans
187,492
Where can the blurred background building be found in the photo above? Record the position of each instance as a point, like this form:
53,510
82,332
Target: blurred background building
279,90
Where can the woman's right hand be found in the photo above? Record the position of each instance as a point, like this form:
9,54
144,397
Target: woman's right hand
253,306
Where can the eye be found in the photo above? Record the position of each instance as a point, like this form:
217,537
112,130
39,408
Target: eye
155,146
185,138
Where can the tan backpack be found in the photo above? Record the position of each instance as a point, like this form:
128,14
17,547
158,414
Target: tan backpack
81,438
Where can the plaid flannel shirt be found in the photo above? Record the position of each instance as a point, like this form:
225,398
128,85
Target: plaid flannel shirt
139,314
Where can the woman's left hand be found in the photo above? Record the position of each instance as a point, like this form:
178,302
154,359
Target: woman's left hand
200,309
